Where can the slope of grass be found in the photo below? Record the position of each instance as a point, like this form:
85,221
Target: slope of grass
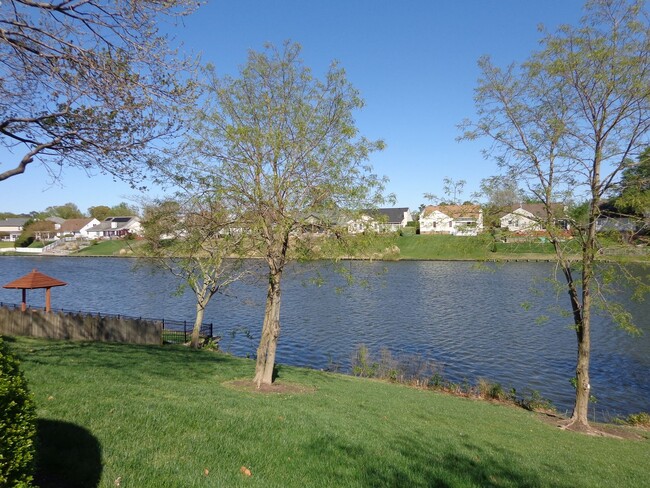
115,247
136,416
444,247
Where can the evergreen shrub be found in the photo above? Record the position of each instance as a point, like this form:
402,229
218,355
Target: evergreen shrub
17,423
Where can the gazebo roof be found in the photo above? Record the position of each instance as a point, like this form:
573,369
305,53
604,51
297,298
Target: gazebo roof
35,280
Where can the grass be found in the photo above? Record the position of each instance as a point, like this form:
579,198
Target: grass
7,244
143,416
118,247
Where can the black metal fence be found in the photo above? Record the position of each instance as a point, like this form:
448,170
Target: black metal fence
174,331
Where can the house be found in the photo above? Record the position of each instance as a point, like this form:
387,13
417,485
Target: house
77,227
457,220
530,217
380,220
115,227
10,229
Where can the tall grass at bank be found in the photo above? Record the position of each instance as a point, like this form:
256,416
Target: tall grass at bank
143,416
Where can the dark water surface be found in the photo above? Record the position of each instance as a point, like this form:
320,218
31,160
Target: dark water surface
468,320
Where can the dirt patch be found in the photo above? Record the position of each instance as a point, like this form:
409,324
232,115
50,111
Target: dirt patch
276,387
596,429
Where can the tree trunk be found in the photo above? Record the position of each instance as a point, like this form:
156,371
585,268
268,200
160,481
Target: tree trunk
579,418
270,331
200,311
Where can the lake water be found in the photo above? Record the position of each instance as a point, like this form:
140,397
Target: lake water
470,321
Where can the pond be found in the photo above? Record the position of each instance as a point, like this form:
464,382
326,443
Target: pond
469,320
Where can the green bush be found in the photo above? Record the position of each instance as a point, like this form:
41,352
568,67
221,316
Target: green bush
17,423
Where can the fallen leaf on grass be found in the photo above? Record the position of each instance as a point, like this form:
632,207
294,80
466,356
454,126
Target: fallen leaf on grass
206,471
118,481
245,471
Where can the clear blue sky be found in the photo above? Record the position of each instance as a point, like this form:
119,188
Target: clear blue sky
414,62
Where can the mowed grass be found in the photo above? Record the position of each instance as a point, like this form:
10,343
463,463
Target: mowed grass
444,247
144,416
115,247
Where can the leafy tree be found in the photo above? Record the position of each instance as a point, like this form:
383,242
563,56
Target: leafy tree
566,122
100,212
122,209
278,147
66,211
194,242
634,196
87,84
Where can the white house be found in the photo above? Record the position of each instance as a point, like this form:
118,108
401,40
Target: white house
530,217
457,220
10,229
77,227
115,227
380,220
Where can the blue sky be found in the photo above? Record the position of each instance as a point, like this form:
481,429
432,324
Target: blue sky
413,61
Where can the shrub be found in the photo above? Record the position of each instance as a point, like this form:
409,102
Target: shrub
17,423
641,419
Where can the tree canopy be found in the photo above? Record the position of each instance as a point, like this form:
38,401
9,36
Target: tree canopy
87,84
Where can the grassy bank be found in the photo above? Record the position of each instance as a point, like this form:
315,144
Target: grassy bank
427,247
134,416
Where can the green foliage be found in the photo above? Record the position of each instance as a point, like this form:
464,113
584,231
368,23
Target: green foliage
641,419
362,364
17,423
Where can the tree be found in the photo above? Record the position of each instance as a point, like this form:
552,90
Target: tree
452,189
122,209
634,188
500,193
66,211
99,212
87,84
198,247
566,122
280,146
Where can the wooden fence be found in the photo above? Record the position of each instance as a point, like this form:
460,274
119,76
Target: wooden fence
79,327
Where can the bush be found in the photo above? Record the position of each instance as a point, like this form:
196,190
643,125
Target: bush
17,423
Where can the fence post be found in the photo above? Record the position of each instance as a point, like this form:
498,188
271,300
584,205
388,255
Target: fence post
184,330
211,331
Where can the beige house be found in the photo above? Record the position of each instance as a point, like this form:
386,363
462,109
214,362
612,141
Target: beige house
10,229
457,220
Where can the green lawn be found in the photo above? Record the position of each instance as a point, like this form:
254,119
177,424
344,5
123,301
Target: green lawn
118,247
142,416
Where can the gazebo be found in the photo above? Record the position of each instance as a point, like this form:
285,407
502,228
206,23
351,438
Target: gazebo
33,281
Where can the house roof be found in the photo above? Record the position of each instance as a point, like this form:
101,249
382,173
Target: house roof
13,222
454,211
392,215
74,225
33,280
107,224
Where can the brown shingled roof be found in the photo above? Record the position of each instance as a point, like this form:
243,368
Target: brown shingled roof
33,280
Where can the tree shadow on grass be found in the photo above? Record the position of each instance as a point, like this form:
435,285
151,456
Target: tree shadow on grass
422,464
66,456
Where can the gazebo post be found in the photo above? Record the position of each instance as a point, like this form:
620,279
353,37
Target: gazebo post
23,306
47,299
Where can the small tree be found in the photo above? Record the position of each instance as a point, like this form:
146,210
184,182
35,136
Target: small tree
195,241
565,123
280,147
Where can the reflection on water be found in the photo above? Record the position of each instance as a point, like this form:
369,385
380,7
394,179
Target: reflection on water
470,321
